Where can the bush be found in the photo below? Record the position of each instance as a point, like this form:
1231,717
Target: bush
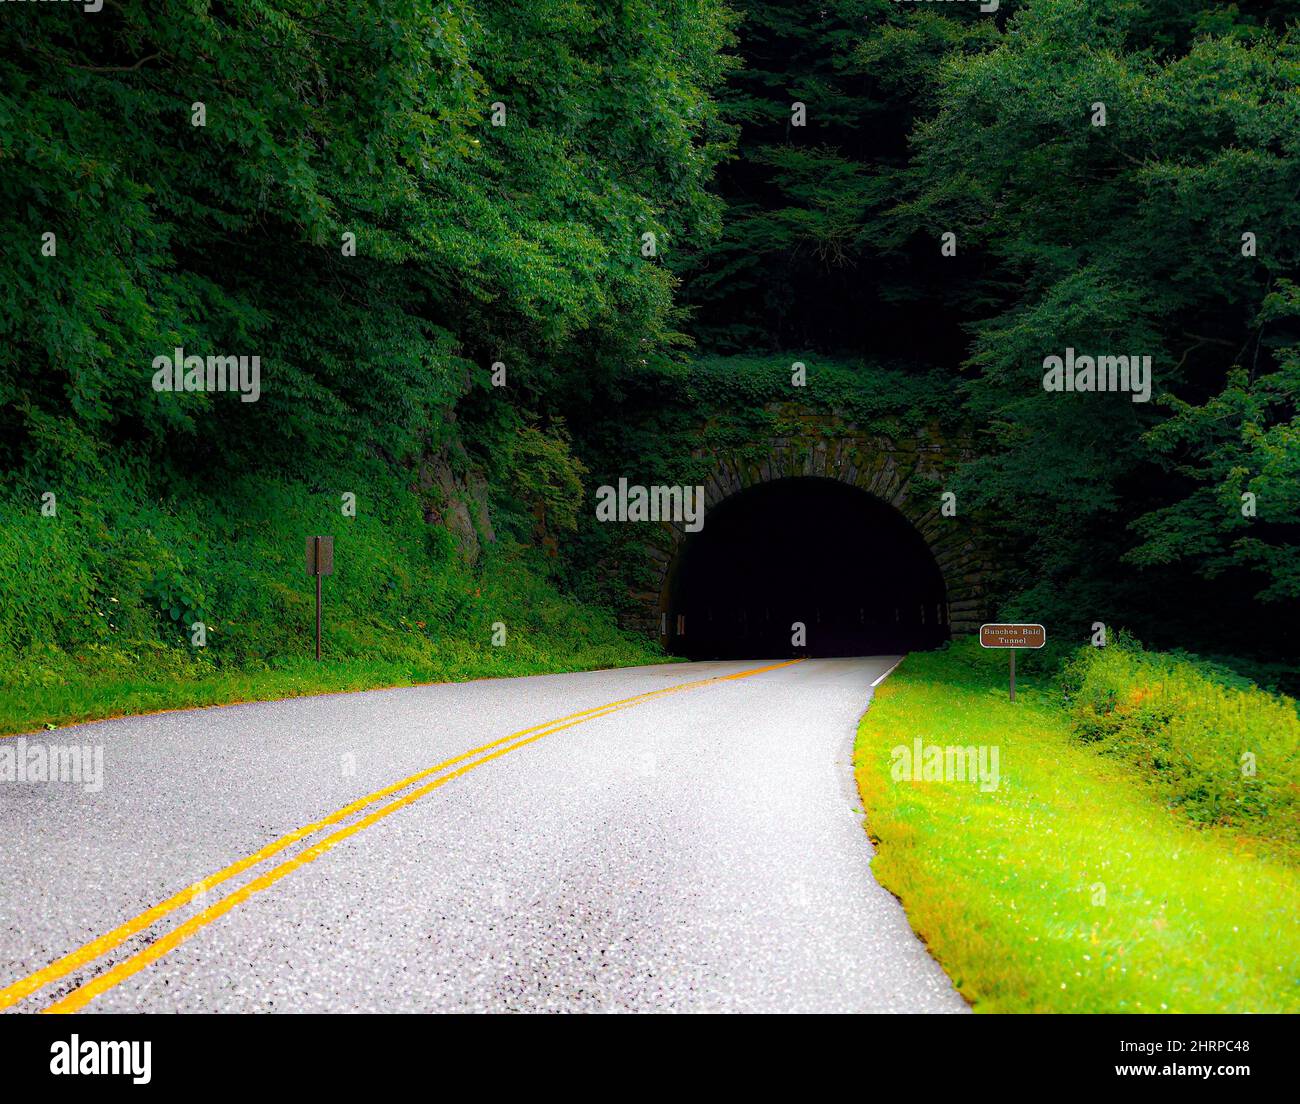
1218,748
103,593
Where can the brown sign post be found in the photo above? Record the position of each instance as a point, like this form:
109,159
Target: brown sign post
1012,637
320,562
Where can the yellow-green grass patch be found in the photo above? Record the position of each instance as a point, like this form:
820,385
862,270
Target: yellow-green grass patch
1070,888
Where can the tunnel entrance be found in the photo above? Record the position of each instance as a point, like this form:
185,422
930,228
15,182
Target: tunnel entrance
848,566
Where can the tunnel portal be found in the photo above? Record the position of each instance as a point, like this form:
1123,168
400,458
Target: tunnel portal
846,565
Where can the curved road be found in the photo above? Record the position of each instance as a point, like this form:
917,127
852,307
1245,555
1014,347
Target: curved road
696,846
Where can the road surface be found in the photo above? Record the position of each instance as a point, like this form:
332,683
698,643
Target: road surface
673,838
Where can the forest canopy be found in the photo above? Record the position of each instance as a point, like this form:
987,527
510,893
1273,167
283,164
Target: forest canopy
1117,177
383,199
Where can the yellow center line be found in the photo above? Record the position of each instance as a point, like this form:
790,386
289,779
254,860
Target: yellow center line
61,967
84,994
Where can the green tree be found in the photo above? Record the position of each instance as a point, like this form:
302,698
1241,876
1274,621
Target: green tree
473,242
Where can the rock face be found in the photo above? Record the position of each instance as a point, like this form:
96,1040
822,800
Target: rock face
455,495
907,473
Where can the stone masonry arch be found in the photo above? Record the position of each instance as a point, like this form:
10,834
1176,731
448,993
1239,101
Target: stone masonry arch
907,473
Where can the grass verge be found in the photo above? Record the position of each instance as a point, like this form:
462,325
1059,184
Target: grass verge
1069,888
99,603
88,692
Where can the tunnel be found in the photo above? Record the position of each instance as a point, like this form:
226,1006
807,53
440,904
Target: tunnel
847,566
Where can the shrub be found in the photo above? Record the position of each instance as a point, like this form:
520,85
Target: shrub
1218,748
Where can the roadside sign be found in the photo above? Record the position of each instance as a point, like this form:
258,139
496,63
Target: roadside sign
320,562
320,555
1012,637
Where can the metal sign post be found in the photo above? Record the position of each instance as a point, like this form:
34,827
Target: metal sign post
1012,637
320,562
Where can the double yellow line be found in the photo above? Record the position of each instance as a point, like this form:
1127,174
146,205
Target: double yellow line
83,994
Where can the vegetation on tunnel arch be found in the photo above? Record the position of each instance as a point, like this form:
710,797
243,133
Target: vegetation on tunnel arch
804,566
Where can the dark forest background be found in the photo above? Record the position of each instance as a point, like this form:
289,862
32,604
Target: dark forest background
1126,237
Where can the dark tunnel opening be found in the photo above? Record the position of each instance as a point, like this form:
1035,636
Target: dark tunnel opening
846,565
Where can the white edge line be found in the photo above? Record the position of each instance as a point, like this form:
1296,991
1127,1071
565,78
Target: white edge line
886,674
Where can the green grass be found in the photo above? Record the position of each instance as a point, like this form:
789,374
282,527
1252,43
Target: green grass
1212,744
76,692
95,602
1073,887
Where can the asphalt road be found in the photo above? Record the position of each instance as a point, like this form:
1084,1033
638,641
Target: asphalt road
699,849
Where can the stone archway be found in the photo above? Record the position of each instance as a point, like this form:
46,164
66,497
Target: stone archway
905,473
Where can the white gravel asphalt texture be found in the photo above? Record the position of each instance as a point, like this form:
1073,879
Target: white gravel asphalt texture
700,851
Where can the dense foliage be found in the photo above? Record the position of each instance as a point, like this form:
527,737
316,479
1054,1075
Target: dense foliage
350,212
474,243
325,186
924,120
1216,748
